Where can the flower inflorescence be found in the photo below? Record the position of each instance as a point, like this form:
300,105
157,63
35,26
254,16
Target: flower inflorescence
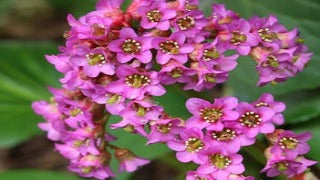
114,62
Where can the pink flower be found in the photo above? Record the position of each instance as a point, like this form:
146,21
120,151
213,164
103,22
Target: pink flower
255,120
206,78
173,47
212,57
230,137
278,164
114,103
189,144
134,84
93,62
239,37
164,130
90,26
194,175
140,112
190,24
220,164
156,15
130,46
291,145
175,72
267,100
60,62
128,161
211,115
92,166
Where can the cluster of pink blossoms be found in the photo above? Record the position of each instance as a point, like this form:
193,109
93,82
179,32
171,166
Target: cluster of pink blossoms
114,62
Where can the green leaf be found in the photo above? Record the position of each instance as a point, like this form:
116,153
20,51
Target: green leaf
24,76
301,106
27,174
174,102
291,13
78,9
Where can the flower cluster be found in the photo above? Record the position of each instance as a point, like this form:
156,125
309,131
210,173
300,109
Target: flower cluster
77,126
215,133
115,62
286,155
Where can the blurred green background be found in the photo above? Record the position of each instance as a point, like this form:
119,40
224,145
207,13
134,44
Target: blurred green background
31,28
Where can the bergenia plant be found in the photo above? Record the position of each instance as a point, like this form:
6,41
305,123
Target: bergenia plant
115,62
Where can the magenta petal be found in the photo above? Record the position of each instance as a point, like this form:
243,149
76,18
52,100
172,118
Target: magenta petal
278,119
168,13
195,104
165,25
273,172
266,113
144,57
186,49
156,90
124,58
206,168
305,136
146,24
244,50
221,174
253,132
237,159
236,169
267,128
115,46
177,146
178,37
303,148
127,33
184,156
231,115
163,58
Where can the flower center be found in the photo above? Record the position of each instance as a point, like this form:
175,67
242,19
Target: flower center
282,166
210,78
250,119
220,161
140,110
224,135
210,115
262,104
113,98
295,59
86,170
164,128
75,112
186,23
272,61
176,73
200,178
288,143
210,54
131,46
154,16
266,35
137,80
170,47
191,7
194,145
94,59
98,30
238,38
